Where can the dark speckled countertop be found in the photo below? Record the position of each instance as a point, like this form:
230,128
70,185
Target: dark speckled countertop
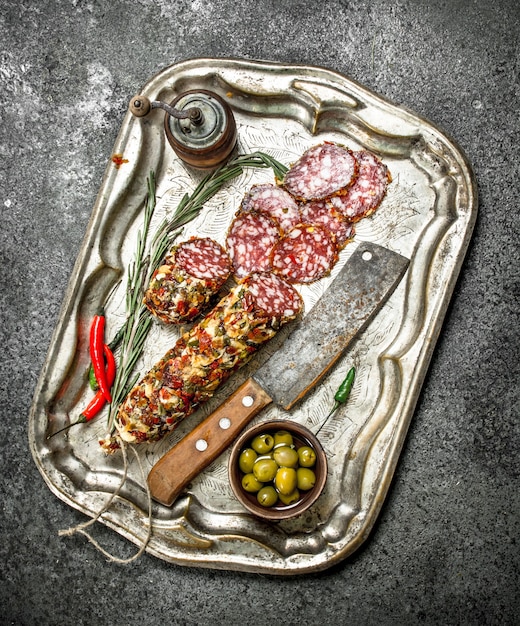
445,547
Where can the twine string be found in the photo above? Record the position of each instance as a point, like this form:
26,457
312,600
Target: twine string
81,528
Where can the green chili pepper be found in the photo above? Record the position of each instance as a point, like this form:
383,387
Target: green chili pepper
92,379
343,391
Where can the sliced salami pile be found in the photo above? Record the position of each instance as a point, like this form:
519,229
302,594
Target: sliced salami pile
329,187
204,357
187,281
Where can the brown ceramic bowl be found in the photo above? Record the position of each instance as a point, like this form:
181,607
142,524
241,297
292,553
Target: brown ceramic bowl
301,437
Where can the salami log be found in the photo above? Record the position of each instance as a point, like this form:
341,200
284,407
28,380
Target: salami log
204,357
307,253
187,281
323,213
367,191
250,240
321,172
273,201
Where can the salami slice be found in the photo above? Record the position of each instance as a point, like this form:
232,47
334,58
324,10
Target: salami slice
273,201
250,240
321,172
185,284
321,212
275,296
367,191
307,253
204,357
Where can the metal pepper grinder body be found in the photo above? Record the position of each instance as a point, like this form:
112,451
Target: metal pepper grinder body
198,124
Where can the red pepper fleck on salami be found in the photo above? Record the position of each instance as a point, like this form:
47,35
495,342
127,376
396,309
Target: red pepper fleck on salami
185,284
205,357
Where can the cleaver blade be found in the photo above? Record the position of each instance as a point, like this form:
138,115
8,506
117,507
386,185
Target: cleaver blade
347,307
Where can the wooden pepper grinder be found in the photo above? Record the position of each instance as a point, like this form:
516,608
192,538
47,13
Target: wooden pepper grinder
199,126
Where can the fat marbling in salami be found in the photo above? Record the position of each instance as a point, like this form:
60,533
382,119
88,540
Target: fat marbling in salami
305,254
250,240
322,212
274,201
321,172
367,191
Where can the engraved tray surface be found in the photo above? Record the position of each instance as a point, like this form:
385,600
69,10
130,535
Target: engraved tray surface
427,215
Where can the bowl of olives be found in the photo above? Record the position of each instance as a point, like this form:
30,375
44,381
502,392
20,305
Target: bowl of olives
277,470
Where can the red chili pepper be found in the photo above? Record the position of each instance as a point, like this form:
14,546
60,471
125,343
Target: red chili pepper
97,342
98,401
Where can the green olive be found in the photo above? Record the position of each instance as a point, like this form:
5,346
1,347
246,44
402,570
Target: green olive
306,478
246,460
285,456
285,480
290,498
251,484
265,469
263,443
307,456
283,436
267,496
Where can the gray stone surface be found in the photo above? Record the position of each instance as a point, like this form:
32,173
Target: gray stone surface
445,547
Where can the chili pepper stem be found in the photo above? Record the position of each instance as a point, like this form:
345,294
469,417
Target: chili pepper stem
341,395
333,410
81,420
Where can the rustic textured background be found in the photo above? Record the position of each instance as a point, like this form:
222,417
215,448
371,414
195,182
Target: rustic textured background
445,547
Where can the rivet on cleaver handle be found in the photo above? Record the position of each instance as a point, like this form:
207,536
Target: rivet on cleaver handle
353,298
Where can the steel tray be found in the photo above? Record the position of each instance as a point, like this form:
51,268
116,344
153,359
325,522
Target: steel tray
428,216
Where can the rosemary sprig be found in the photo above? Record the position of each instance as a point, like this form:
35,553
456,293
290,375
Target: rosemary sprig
137,325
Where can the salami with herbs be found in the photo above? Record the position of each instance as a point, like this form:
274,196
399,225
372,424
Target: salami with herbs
323,213
205,357
273,201
250,240
186,283
321,172
305,254
367,191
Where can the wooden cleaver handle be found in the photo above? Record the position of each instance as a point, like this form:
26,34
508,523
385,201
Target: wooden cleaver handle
205,443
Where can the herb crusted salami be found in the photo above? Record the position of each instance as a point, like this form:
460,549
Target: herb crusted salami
204,357
185,284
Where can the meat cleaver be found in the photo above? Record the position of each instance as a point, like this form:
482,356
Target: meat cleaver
361,288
